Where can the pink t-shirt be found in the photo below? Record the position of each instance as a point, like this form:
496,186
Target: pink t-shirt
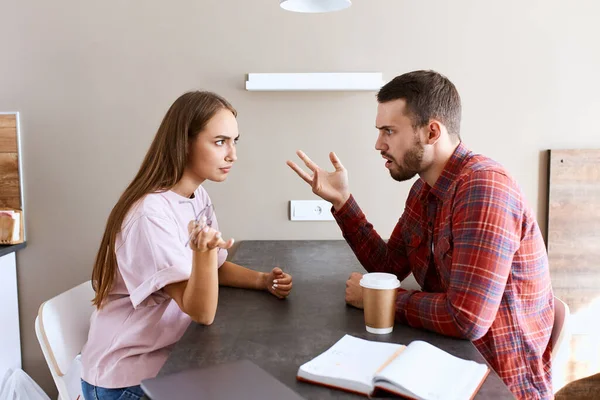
130,337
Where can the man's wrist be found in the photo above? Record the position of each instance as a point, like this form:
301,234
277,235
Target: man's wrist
337,205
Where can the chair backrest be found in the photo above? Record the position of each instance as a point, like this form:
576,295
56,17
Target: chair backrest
562,315
62,327
560,341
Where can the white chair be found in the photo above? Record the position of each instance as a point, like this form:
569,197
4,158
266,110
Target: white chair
62,327
561,342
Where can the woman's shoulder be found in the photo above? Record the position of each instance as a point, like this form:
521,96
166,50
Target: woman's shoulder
152,205
161,204
150,209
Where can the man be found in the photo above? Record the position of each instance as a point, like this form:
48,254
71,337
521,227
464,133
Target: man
466,234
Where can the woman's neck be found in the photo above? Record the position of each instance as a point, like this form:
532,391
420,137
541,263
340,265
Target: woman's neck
187,185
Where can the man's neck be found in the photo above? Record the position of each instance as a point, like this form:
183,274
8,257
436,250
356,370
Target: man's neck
440,159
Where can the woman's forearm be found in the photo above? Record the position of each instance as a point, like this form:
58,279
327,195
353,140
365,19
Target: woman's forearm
201,293
234,275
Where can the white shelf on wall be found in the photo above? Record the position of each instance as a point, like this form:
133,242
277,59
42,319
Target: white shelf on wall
326,81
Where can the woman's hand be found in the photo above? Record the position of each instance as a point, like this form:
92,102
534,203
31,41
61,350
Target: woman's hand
203,238
278,283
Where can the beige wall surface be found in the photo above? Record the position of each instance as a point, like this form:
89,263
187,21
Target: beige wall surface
92,81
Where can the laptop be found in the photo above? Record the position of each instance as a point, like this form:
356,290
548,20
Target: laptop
234,380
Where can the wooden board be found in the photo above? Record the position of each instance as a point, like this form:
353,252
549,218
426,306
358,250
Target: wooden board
574,226
10,189
574,251
8,133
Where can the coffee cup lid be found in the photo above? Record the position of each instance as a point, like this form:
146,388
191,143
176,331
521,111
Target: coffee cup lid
380,280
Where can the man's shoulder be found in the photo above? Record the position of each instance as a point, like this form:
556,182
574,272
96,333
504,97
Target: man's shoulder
484,180
479,162
479,166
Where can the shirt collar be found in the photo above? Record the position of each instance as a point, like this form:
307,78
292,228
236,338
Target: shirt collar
451,170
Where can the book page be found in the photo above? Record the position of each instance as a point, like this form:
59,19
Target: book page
428,372
350,363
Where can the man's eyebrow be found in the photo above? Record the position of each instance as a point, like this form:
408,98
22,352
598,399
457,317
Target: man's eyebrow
384,127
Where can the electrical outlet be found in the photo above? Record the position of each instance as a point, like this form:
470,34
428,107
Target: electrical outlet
310,210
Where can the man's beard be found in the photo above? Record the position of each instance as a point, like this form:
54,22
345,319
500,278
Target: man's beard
411,165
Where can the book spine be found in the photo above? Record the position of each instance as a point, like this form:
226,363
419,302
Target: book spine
332,387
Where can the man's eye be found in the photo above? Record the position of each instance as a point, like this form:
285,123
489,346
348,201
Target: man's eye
388,131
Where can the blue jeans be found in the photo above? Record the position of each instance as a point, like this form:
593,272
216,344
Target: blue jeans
91,392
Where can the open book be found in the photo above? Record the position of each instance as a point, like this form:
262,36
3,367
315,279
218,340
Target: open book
418,371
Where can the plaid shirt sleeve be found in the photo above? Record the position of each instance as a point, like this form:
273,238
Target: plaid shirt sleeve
486,226
372,252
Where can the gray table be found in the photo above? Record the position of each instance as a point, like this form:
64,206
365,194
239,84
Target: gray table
280,335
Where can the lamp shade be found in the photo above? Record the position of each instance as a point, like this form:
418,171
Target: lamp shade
314,6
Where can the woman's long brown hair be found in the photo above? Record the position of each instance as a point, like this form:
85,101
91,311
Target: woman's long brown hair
161,169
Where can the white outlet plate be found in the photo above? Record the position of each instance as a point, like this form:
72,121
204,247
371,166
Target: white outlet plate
310,210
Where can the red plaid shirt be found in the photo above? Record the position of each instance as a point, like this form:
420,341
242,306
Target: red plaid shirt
474,246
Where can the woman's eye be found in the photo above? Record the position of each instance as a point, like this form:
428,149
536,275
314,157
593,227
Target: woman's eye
220,142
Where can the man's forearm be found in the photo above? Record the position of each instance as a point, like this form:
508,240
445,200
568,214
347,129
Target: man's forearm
371,250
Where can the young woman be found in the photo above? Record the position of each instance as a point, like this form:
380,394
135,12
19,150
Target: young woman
162,257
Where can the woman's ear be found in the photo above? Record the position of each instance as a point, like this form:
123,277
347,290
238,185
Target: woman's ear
190,144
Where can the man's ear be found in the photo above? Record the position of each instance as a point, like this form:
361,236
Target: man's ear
434,131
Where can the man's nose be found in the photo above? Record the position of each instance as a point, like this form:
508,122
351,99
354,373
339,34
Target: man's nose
380,144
